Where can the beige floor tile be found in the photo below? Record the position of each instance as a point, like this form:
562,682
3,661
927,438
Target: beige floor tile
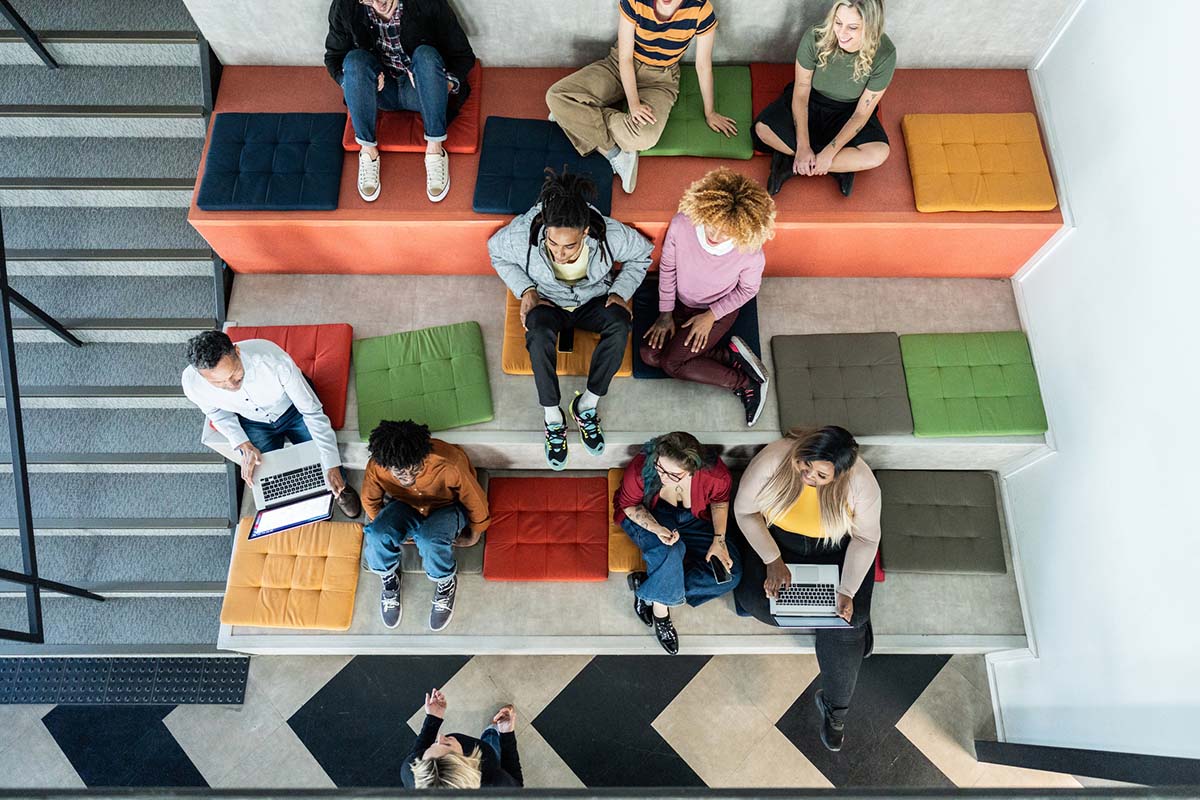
15,719
291,681
944,723
278,761
35,761
774,762
1000,776
543,768
974,669
771,683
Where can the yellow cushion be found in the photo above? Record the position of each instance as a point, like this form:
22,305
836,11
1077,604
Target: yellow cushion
302,578
978,162
623,554
514,357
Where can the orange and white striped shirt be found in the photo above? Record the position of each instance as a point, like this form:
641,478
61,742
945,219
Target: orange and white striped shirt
662,44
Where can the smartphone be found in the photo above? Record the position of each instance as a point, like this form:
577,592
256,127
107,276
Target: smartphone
719,570
566,340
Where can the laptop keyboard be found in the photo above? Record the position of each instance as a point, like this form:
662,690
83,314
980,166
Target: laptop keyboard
296,481
808,594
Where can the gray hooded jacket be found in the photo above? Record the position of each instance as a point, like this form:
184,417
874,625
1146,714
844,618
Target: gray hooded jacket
523,265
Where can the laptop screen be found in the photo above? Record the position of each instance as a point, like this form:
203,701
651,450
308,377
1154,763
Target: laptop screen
292,515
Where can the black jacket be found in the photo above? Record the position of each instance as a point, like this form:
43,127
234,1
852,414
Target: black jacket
423,22
503,772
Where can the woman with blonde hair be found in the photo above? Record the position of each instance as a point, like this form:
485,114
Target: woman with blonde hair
712,264
457,761
826,122
809,499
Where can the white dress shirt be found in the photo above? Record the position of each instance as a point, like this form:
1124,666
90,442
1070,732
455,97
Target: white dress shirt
273,384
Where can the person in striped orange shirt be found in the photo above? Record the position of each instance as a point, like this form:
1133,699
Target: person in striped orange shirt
642,70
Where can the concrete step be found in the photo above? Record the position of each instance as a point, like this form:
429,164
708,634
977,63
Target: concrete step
74,432
100,562
126,15
168,625
150,491
43,263
145,526
106,49
47,367
98,229
118,297
101,87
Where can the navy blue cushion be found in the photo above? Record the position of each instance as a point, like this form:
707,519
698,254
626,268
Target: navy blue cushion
645,310
513,161
273,162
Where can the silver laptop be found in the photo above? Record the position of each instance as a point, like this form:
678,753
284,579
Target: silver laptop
811,600
289,474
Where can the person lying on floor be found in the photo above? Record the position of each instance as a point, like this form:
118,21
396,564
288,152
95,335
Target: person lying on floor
674,503
458,761
560,259
255,396
826,122
712,264
399,55
423,489
643,72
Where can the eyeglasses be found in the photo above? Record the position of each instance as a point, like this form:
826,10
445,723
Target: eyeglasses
675,476
408,474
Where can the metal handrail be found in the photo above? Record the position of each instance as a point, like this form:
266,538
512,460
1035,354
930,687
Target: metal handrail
27,33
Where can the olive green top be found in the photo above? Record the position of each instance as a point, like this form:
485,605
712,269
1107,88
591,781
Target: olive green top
836,79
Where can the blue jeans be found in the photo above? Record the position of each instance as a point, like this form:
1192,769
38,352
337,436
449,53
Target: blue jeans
679,572
434,536
429,96
491,737
268,436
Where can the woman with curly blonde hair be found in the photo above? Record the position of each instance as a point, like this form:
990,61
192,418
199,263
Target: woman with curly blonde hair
712,264
826,122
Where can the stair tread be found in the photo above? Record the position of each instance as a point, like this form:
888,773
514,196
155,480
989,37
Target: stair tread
47,364
146,621
132,15
118,296
120,495
89,560
100,87
40,228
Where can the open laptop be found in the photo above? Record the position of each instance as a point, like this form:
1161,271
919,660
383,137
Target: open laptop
811,600
290,489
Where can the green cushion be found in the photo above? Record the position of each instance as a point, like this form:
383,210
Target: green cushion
972,384
686,132
437,376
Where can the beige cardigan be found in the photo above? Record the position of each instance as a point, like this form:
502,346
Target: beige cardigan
864,502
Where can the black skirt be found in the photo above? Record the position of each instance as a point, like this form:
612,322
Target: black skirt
826,118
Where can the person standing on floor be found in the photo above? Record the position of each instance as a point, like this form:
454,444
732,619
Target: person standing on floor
560,259
458,761
423,489
399,55
643,72
826,122
674,503
712,264
809,499
256,397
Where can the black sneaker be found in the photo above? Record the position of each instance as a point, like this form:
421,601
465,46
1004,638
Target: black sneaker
443,603
664,631
590,432
781,170
389,600
747,359
832,731
556,445
845,182
754,399
644,610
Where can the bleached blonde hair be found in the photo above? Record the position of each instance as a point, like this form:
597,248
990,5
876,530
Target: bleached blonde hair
450,771
733,204
781,490
871,12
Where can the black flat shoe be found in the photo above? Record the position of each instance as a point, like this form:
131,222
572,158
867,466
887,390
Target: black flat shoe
781,170
644,610
832,731
845,182
664,631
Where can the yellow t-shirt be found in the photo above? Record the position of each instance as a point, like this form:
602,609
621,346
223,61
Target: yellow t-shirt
803,517
572,273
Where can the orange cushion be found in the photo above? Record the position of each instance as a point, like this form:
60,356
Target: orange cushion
623,554
767,82
978,162
322,352
305,577
403,132
514,357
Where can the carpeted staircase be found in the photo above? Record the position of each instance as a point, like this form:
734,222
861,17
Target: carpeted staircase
99,160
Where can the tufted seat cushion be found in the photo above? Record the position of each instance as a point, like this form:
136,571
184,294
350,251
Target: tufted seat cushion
512,166
854,380
623,554
547,529
322,352
437,376
273,162
305,577
514,356
972,384
403,131
687,133
940,521
978,162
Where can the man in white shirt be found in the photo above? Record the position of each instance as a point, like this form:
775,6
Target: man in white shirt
254,394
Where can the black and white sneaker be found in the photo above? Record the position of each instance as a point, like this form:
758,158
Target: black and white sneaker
754,399
443,603
664,631
556,445
644,610
590,432
748,360
389,600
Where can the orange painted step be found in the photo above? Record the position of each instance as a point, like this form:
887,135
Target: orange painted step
877,232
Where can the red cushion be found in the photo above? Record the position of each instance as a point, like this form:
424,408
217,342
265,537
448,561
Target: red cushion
879,576
322,352
547,529
402,131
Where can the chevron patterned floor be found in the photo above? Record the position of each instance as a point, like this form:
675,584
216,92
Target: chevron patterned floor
626,721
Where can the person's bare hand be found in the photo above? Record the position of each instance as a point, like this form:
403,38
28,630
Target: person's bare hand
721,124
804,162
778,577
701,326
720,551
845,606
335,480
667,537
530,299
641,114
435,704
379,82
251,458
621,301
823,162
661,331
505,719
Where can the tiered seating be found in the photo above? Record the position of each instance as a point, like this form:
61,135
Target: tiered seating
514,356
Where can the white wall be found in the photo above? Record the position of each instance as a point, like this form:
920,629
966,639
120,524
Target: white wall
1108,528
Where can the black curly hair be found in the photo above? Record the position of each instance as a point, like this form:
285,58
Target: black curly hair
401,444
205,350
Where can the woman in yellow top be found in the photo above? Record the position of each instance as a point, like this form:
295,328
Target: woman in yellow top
809,499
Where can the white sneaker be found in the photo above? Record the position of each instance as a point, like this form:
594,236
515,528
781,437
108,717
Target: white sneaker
368,177
437,176
551,117
625,165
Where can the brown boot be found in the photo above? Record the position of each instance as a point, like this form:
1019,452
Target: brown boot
349,502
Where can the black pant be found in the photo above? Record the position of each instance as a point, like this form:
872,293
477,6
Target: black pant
839,650
543,324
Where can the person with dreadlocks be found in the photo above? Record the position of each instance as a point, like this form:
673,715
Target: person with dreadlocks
712,264
560,259
423,489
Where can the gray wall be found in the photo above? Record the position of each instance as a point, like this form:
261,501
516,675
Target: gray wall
927,33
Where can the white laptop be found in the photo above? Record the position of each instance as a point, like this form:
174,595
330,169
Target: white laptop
811,599
290,489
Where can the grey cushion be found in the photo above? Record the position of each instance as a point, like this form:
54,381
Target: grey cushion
855,380
940,521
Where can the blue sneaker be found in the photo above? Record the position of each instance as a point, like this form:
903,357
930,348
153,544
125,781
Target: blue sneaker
590,432
556,446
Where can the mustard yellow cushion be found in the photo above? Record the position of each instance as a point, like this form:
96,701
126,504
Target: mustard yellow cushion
978,162
623,554
302,578
514,357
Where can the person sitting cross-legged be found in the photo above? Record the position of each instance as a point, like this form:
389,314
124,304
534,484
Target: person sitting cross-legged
425,489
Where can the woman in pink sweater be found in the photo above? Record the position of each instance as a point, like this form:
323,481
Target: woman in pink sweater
712,264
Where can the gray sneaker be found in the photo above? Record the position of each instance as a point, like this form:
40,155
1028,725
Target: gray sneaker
443,603
625,165
389,600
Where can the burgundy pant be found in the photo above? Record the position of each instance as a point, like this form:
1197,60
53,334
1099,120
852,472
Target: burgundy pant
713,365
